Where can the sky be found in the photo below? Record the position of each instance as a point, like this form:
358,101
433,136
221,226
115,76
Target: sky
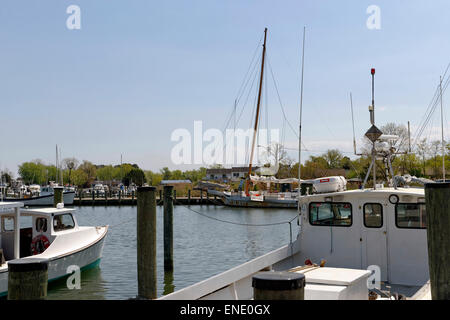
138,70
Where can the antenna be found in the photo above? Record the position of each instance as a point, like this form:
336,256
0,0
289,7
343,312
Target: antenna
409,138
353,124
442,131
300,124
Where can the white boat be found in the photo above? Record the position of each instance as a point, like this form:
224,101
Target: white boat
350,232
45,198
54,235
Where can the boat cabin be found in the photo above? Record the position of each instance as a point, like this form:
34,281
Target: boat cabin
26,232
361,228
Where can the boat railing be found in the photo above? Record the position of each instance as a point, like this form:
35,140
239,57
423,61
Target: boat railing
235,283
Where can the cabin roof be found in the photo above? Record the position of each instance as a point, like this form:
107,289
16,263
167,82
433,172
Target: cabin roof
400,191
47,211
10,205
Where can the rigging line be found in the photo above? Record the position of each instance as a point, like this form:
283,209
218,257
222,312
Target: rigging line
237,223
424,117
243,89
248,70
244,105
281,104
432,107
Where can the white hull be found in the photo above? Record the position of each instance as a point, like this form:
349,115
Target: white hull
84,256
268,202
44,200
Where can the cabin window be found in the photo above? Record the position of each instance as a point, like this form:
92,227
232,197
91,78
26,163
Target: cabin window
41,225
63,222
330,214
410,215
8,224
373,215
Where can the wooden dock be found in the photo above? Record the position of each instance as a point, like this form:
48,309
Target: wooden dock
131,201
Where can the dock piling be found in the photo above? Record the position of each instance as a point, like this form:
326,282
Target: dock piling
437,200
168,228
58,195
146,242
27,279
278,286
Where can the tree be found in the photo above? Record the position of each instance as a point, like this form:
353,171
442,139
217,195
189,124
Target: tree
90,170
70,164
33,172
135,175
6,176
333,158
105,173
166,174
79,178
423,149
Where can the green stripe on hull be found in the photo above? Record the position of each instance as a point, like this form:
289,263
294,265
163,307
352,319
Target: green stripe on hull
92,265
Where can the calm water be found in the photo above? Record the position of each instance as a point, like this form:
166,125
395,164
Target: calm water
202,247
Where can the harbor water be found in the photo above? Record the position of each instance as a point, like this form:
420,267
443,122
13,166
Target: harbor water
203,247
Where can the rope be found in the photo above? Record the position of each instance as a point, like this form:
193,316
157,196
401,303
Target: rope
238,223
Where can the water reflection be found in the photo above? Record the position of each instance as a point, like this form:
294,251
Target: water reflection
92,287
169,287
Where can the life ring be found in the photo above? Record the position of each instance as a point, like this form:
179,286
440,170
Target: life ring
39,244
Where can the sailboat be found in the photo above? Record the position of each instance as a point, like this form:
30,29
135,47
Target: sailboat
262,199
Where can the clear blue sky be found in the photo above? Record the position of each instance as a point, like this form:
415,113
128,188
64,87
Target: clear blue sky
137,70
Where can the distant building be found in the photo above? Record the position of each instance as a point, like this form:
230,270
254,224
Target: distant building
227,174
173,182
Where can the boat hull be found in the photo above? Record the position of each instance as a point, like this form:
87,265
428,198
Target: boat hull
47,200
85,258
236,201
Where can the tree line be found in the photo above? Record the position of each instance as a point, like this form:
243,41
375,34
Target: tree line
85,174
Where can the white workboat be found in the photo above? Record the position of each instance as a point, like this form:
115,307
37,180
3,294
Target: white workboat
54,235
342,235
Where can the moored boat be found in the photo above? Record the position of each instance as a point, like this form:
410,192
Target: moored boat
54,234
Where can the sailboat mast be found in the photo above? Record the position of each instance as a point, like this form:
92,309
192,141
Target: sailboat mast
442,131
257,112
300,123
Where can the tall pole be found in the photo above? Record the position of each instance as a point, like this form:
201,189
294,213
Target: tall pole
353,124
257,113
300,122
374,152
442,132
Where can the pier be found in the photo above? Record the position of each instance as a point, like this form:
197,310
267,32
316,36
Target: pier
132,201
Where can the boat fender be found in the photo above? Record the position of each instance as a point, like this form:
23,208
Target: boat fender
39,244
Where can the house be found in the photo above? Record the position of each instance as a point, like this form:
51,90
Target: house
227,174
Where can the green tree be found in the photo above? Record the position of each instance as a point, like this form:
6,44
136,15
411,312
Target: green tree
79,178
33,172
90,170
70,164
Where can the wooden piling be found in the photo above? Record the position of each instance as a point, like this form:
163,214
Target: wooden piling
437,199
27,279
168,228
278,286
189,196
146,242
58,196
